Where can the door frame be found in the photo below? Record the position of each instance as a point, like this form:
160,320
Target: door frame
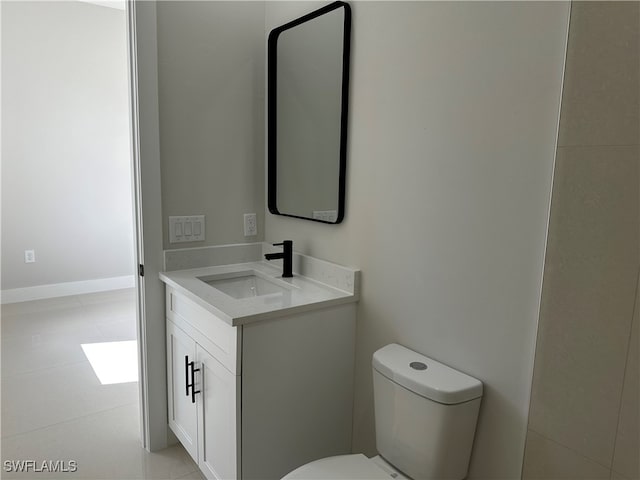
145,152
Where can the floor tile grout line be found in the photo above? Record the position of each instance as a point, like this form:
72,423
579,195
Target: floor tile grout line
572,450
41,370
626,366
188,473
53,367
62,422
81,310
196,468
625,145
60,308
74,301
43,308
620,475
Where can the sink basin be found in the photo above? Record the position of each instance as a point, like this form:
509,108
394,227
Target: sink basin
245,284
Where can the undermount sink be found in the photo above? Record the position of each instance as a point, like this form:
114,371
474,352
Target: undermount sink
244,284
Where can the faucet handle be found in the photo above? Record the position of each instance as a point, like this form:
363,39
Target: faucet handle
284,243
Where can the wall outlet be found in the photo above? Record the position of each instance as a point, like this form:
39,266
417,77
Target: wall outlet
250,225
29,256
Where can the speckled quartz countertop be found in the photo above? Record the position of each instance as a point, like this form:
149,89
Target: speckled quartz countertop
300,293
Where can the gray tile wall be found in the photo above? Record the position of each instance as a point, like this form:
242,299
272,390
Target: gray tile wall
583,419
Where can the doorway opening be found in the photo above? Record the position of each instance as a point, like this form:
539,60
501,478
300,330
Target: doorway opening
69,302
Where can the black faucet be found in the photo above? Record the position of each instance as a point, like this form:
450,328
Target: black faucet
286,255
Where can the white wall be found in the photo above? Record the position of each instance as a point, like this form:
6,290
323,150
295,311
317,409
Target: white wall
211,103
66,169
453,122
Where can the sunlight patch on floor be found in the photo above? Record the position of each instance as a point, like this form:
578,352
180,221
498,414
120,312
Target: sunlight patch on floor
113,362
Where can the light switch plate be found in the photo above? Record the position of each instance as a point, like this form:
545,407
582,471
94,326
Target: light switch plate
186,229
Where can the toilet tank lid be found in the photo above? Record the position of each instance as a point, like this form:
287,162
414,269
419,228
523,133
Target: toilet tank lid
425,376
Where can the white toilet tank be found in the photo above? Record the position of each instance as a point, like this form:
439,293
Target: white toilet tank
426,414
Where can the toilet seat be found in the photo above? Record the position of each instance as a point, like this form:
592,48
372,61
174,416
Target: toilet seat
346,467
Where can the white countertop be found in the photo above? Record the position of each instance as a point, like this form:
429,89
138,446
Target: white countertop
303,294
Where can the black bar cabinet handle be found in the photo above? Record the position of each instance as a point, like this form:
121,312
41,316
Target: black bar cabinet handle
193,382
186,373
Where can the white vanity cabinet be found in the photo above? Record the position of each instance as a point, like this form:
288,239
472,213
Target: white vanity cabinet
202,405
272,394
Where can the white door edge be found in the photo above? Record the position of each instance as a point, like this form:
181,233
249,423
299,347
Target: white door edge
142,53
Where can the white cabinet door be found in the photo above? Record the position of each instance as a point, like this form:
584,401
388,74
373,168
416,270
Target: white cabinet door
183,413
218,418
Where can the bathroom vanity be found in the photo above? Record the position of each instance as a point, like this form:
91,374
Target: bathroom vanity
260,368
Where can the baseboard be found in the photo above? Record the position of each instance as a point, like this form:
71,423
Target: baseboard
15,295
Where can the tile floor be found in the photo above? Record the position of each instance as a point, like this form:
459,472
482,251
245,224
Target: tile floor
55,408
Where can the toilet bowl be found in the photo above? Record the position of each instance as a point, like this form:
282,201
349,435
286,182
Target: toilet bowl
425,416
347,467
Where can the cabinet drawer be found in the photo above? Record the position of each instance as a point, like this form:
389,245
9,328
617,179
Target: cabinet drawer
215,335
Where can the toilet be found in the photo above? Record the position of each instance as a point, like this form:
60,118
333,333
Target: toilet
425,416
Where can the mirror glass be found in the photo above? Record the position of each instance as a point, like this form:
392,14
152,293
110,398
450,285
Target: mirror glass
308,76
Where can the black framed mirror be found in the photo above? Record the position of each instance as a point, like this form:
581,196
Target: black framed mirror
308,89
